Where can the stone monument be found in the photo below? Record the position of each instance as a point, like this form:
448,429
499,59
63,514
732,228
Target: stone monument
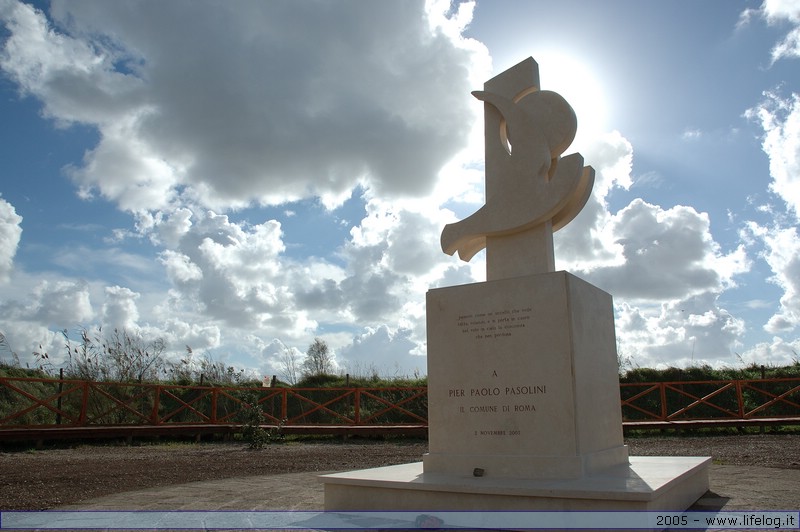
523,392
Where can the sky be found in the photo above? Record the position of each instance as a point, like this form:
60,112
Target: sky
242,177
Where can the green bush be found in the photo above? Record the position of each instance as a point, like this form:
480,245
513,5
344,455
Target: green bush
344,381
707,373
253,420
322,380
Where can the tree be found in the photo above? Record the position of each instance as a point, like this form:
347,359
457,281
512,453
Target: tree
319,360
5,346
289,365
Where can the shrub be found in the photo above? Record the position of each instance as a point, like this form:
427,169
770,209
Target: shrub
253,420
322,380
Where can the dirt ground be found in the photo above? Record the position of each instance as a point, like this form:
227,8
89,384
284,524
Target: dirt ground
42,479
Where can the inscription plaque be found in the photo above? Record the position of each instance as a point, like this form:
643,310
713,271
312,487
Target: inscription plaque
502,383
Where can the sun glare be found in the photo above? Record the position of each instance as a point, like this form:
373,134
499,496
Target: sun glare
580,85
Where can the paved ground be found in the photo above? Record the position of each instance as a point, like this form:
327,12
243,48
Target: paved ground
731,488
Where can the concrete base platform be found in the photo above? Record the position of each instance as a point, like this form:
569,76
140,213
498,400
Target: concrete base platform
648,483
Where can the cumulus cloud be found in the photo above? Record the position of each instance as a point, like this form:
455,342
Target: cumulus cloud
643,252
779,11
588,241
239,274
233,273
268,102
196,336
780,119
203,108
33,321
180,268
777,352
668,254
668,287
53,303
75,81
10,234
383,351
393,257
782,254
119,308
25,337
681,332
662,265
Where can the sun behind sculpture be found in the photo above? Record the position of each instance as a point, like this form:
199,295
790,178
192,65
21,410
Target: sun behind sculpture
531,191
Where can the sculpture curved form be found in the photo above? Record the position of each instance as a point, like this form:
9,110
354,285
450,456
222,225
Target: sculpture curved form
532,187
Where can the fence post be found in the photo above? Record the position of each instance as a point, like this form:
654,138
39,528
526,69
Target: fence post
663,391
284,408
60,389
762,428
358,407
739,398
214,395
156,404
84,403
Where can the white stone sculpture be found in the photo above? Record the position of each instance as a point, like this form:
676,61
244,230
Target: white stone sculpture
531,191
523,385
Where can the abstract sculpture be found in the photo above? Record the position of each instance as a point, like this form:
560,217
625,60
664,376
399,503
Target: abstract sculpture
531,191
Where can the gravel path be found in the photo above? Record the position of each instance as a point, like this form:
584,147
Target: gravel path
41,479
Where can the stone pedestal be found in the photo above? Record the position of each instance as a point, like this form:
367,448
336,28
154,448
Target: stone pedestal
522,379
523,411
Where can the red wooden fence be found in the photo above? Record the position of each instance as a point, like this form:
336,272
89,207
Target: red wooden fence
697,403
32,408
